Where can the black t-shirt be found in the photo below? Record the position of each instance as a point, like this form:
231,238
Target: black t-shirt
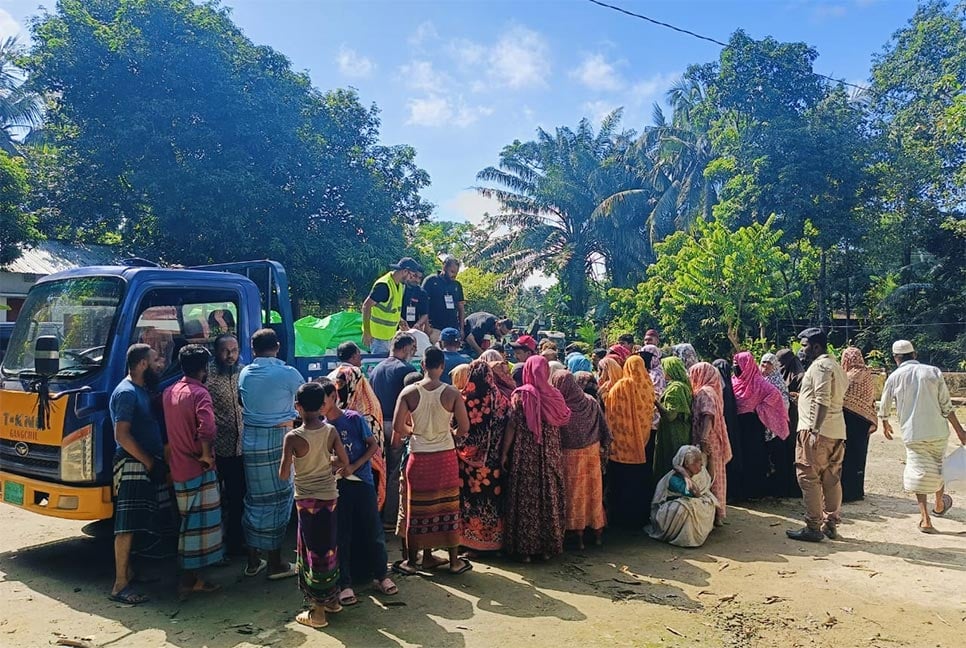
379,293
479,325
444,294
386,379
415,304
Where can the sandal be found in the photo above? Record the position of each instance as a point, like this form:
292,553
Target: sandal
947,504
348,598
436,563
332,607
129,597
404,569
200,587
288,573
927,529
386,586
305,618
467,566
262,566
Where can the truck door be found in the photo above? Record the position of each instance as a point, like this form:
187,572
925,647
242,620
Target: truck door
276,308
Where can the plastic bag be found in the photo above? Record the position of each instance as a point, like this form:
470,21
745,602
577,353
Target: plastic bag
316,337
954,466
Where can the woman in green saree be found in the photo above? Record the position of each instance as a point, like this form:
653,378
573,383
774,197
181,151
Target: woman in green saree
674,429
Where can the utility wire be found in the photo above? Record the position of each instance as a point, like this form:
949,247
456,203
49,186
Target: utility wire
705,38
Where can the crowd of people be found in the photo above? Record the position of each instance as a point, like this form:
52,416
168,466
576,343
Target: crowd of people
488,448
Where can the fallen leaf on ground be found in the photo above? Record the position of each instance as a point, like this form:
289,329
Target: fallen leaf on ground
774,599
74,643
724,567
729,597
830,621
673,631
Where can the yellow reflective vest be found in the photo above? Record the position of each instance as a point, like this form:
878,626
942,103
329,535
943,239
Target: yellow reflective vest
384,317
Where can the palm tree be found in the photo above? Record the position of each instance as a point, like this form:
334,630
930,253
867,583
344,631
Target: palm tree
20,109
668,160
548,190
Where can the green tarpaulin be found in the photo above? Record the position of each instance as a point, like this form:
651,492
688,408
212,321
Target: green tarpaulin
315,336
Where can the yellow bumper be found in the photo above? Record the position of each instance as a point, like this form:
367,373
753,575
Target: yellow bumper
56,500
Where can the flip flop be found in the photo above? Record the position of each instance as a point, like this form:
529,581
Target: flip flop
401,569
333,607
436,564
306,619
291,571
200,587
467,566
348,599
388,590
947,504
262,565
129,597
929,529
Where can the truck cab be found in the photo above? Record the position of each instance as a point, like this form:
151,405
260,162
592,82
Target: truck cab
56,436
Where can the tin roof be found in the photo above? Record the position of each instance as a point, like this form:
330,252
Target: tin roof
49,257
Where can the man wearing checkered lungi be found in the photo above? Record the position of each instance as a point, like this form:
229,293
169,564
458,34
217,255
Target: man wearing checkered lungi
189,419
923,407
140,474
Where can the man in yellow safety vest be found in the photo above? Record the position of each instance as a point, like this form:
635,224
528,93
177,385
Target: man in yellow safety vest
382,309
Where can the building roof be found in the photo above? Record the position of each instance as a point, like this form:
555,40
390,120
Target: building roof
49,257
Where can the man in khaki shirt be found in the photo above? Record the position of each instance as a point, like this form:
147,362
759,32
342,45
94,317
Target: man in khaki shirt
821,439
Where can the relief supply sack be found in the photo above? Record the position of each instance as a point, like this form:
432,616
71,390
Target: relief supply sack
954,467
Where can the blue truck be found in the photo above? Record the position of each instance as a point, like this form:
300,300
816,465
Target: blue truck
56,437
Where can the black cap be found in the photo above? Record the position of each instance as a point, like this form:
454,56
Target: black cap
814,335
407,263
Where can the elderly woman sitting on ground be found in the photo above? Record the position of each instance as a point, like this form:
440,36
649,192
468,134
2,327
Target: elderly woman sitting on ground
682,512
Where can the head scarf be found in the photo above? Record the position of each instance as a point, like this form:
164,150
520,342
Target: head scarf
585,425
655,369
630,412
701,480
730,411
541,402
459,375
359,396
620,352
859,395
709,400
677,395
578,362
675,371
687,354
791,369
775,377
492,355
587,381
610,372
755,394
556,365
487,409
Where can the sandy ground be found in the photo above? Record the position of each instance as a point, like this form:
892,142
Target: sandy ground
883,585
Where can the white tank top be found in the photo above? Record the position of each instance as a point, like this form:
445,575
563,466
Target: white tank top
431,423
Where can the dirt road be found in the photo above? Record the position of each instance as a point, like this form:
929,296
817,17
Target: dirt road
883,585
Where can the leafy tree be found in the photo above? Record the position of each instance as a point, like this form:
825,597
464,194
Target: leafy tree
17,225
483,292
735,275
432,240
177,134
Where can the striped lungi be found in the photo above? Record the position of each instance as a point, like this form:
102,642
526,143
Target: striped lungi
268,501
433,500
143,508
583,484
924,465
200,540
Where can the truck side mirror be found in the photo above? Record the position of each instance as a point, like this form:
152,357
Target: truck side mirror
46,355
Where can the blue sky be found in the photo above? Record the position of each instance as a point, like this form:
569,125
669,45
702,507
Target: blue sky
458,80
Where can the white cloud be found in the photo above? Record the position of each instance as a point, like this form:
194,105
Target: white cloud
425,32
10,27
437,111
352,64
469,206
597,73
421,75
520,59
653,88
597,110
467,52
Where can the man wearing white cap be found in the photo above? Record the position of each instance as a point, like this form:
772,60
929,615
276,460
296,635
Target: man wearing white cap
922,406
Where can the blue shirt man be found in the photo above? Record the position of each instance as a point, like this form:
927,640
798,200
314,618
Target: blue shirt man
452,358
267,387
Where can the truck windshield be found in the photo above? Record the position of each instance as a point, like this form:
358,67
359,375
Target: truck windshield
78,312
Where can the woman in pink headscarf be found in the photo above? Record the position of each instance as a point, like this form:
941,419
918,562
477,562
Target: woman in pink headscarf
534,514
760,408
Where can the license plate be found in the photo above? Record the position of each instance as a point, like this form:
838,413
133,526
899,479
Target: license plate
13,493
